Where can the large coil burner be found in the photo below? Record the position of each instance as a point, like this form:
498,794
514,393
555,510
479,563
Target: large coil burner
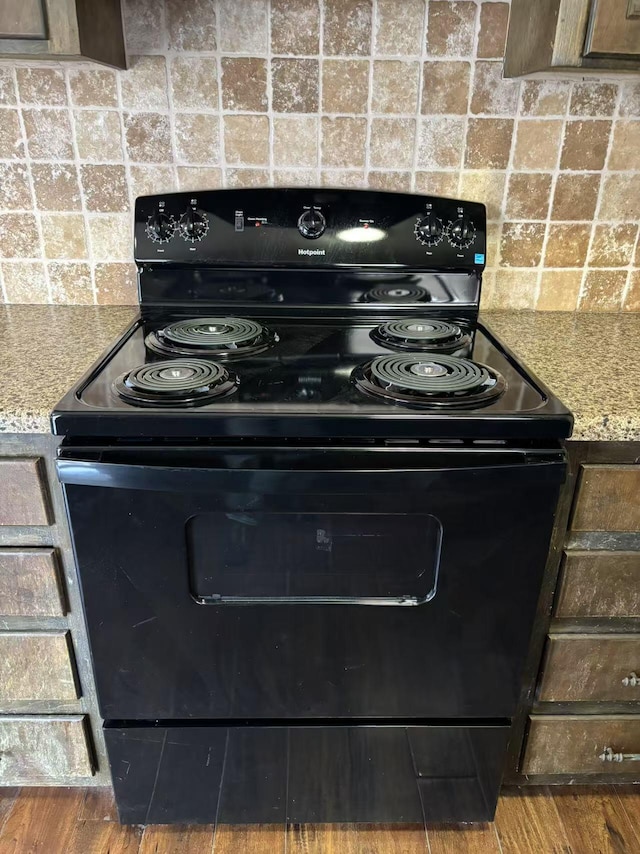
176,382
212,337
421,334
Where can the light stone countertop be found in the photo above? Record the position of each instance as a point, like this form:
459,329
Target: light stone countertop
591,361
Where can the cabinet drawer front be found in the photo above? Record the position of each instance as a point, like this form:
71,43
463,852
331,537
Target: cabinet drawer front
43,749
591,668
608,499
599,584
36,667
573,744
30,584
23,492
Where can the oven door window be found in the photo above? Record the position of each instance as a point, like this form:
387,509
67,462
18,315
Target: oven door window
261,557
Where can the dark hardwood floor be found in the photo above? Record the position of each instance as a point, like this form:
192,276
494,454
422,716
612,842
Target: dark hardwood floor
545,820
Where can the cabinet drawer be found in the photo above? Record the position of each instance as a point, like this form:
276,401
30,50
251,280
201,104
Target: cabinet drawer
30,584
608,499
599,584
36,666
591,668
23,492
43,749
574,744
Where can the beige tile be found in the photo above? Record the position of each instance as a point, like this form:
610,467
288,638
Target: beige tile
48,134
295,26
528,195
147,137
25,282
437,183
392,143
98,135
105,188
514,289
485,186
621,197
15,193
451,28
445,87
42,86
111,237
603,290
244,84
537,144
399,27
19,236
491,94
93,87
395,86
559,290
585,145
575,197
593,99
625,149
63,236
197,137
11,145
243,26
116,284
191,25
70,283
295,178
440,142
347,27
630,98
7,86
494,18
295,85
142,25
343,142
149,179
56,187
342,178
345,85
544,97
246,140
612,245
631,300
295,141
246,178
567,245
199,178
493,243
194,82
488,143
398,182
144,84
521,244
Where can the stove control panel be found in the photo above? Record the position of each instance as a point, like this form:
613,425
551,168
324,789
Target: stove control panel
306,227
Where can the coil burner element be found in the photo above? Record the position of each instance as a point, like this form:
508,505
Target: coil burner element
213,337
175,382
421,334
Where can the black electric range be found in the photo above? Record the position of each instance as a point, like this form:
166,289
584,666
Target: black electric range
307,421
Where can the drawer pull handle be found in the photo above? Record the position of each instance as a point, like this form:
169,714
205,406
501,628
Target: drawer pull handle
631,681
609,756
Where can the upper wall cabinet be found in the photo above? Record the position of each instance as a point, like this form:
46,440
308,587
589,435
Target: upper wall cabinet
62,29
573,34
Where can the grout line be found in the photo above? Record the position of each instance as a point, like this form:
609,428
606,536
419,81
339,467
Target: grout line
270,117
2,287
367,144
321,58
218,57
420,119
172,110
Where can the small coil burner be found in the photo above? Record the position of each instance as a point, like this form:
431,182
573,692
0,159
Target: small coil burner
176,382
217,337
396,293
421,334
428,380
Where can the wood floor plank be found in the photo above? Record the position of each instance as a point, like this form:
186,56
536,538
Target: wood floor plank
595,820
463,839
249,839
356,839
98,805
8,797
527,822
630,799
42,820
103,837
177,839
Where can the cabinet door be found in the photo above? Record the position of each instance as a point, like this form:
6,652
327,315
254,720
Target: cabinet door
23,19
614,29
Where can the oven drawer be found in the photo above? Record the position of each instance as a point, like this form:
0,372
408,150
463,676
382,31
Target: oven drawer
591,668
245,774
599,584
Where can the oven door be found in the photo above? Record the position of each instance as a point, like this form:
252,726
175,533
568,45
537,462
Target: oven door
280,583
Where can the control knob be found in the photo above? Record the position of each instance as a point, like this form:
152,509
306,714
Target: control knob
193,225
161,227
429,229
461,232
312,224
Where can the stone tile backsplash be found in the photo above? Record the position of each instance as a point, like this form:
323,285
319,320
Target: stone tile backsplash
400,95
